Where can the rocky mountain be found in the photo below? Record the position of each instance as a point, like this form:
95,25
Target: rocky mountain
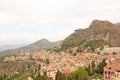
36,46
99,33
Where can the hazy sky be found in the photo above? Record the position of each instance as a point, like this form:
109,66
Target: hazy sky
24,21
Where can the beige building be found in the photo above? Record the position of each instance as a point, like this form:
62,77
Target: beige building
9,59
111,49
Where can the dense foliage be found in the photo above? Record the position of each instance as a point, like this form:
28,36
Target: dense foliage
79,74
94,70
93,44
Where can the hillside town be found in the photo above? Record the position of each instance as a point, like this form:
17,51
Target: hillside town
87,54
51,62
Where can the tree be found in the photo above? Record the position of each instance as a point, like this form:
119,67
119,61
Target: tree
101,66
44,76
58,75
80,74
39,67
89,70
47,61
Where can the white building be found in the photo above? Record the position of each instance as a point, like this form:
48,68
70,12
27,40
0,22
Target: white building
111,49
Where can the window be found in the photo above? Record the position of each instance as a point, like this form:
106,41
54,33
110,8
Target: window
106,77
109,67
105,72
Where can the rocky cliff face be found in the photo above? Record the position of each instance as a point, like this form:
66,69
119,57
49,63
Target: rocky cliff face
103,31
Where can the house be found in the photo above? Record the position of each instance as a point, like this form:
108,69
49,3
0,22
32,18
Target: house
111,49
9,59
112,72
21,58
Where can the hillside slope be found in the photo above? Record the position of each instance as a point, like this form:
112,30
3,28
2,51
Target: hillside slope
36,46
98,34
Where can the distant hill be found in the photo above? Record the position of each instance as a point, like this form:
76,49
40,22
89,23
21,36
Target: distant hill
98,34
36,46
8,47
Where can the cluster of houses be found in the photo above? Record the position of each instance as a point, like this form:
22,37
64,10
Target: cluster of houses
21,57
112,70
67,63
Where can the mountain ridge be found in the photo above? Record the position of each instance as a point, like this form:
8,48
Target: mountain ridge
102,32
8,47
36,46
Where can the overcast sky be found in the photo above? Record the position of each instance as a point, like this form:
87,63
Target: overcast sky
25,21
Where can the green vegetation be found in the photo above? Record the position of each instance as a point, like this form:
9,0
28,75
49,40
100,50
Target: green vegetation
41,77
91,69
72,42
80,74
27,69
94,44
96,71
30,70
81,44
1,59
47,61
101,66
